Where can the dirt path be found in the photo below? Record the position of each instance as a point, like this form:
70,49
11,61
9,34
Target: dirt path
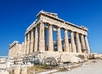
89,68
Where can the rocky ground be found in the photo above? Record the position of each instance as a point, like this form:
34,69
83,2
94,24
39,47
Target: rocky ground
4,72
90,67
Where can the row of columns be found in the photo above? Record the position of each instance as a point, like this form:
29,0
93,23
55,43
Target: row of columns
33,44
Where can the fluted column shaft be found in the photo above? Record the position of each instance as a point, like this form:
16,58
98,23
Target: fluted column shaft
87,45
28,43
59,43
32,41
66,41
41,38
83,42
36,40
78,43
50,41
73,42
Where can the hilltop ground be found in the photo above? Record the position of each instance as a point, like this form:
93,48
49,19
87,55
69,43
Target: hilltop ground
91,67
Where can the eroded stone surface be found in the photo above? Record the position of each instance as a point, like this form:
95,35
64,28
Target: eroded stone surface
24,70
36,39
17,69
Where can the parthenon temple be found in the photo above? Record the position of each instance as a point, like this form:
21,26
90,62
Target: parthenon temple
48,33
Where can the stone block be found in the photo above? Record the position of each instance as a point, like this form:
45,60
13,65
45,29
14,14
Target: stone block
17,69
24,70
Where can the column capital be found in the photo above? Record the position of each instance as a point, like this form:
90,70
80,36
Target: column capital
65,29
82,34
49,24
58,28
41,22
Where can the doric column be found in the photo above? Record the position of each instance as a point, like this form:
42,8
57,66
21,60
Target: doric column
28,41
36,40
87,45
25,47
78,43
59,43
83,42
73,42
45,40
66,41
41,38
50,41
32,41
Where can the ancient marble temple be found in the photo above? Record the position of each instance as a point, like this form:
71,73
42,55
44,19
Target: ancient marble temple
40,36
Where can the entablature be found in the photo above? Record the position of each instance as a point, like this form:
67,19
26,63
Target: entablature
52,18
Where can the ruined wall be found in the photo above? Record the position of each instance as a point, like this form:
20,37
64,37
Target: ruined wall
15,49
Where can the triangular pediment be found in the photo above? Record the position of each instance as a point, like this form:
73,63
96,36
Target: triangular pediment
48,13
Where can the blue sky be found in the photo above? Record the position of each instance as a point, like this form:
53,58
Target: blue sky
17,15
